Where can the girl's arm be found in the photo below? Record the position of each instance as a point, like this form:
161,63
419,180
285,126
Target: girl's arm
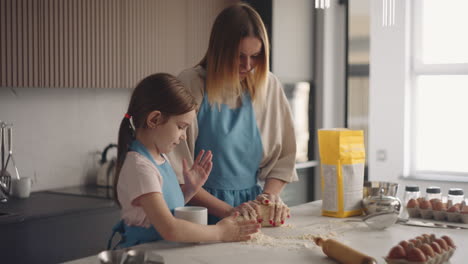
215,206
179,230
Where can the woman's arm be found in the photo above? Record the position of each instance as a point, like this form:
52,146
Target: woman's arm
179,230
273,186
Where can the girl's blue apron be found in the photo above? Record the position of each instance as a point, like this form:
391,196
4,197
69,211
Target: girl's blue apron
233,137
134,235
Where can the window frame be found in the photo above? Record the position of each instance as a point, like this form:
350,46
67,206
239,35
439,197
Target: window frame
417,69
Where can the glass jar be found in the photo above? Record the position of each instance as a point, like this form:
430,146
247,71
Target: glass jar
433,192
411,192
455,196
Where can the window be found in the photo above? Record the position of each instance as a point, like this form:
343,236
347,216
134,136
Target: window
439,90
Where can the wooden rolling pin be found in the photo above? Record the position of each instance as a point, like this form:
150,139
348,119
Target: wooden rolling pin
342,253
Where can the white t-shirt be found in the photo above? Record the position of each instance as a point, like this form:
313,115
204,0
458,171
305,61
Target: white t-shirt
138,176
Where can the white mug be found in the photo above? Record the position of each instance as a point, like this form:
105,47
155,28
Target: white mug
21,188
194,214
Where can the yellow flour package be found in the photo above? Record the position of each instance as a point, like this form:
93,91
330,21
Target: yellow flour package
342,161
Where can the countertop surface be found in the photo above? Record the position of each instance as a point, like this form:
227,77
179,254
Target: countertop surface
292,243
48,204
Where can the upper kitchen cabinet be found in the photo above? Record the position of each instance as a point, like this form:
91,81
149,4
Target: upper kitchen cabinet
100,44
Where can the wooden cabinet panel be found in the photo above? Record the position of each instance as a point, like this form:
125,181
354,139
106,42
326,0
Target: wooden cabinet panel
104,43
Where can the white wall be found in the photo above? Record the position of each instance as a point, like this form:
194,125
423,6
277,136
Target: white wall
58,131
389,66
292,40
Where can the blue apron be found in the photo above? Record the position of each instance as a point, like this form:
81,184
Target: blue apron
134,235
233,137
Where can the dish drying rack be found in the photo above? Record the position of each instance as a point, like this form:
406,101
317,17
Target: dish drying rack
6,135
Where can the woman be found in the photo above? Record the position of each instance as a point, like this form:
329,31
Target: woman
244,119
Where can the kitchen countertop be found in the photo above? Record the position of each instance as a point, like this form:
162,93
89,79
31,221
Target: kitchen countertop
291,243
46,204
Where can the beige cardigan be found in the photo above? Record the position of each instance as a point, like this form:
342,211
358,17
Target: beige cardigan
274,121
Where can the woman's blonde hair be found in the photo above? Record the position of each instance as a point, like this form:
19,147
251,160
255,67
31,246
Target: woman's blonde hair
221,60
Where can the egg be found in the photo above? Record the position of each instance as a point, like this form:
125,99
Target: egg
406,245
453,209
435,246
440,206
464,209
421,199
416,242
442,243
397,252
449,241
425,205
427,250
434,201
416,255
412,203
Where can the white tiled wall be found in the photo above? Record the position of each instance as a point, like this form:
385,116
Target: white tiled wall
58,131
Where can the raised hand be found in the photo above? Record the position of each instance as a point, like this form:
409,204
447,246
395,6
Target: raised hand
197,175
279,212
234,230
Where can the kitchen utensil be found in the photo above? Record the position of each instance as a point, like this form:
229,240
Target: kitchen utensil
2,144
381,220
380,203
428,224
105,176
10,152
378,221
133,256
342,253
374,188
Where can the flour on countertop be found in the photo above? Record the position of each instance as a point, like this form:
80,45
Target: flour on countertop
295,238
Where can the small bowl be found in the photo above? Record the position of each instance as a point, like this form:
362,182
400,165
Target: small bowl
381,220
132,256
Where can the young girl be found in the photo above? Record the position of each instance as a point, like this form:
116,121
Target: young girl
145,185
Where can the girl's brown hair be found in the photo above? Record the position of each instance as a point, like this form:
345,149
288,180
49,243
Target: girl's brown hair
162,92
221,60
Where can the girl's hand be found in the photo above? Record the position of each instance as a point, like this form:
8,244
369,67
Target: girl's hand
249,210
197,175
279,212
233,230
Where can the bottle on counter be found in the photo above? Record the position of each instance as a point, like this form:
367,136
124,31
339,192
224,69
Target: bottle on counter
455,196
433,192
411,192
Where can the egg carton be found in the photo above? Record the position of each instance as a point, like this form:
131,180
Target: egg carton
438,215
445,245
437,259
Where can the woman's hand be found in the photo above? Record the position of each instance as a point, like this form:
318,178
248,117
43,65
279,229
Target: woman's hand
197,175
249,210
233,230
279,212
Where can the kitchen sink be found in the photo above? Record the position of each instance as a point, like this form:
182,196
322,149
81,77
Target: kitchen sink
5,214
